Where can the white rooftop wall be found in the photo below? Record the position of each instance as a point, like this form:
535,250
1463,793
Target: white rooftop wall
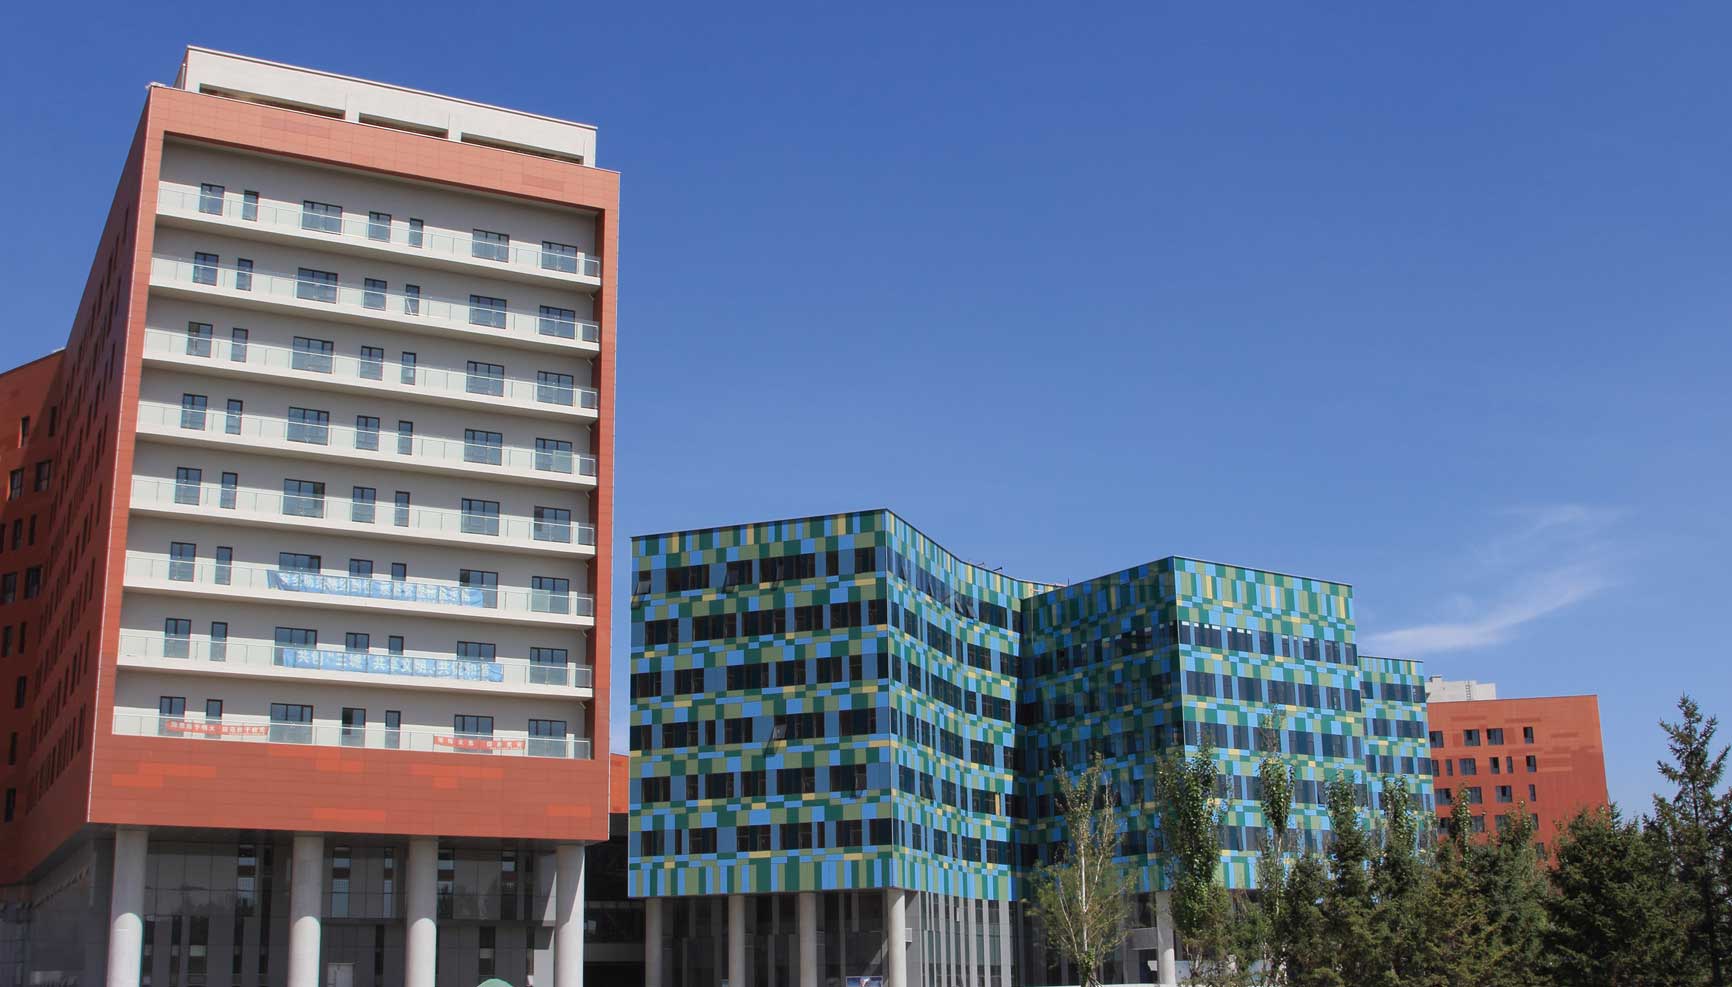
360,101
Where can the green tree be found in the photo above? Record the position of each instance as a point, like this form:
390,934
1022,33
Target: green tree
1347,906
1190,823
1303,949
1611,917
1084,900
1277,780
1458,947
1514,890
1695,821
1397,881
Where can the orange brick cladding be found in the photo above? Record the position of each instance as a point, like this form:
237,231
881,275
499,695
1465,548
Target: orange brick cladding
1570,761
71,770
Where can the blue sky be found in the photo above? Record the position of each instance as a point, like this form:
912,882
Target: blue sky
1432,301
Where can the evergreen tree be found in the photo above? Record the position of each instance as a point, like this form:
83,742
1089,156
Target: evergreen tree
1304,952
1347,907
1397,881
1457,947
1277,780
1612,916
1695,821
1514,890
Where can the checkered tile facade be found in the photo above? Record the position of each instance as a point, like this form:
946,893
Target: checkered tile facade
929,697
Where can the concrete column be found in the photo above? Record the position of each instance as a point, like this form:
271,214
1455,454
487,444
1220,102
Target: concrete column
970,945
1004,942
420,912
1167,965
126,907
945,915
306,905
652,942
896,936
806,914
568,915
736,940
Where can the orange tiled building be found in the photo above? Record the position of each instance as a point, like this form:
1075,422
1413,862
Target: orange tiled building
1504,754
304,599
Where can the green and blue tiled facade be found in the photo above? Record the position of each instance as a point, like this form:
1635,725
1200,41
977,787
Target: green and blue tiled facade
838,703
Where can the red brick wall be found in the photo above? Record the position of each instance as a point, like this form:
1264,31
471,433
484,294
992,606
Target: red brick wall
1571,765
170,782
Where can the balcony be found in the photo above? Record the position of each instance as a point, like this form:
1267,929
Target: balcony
259,659
551,465
428,597
553,398
356,233
268,508
331,301
257,729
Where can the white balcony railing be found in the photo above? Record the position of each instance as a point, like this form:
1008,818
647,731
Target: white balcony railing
395,234
447,597
383,304
316,661
346,514
203,349
261,730
551,462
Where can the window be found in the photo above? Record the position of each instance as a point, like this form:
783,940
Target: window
394,644
1531,762
480,446
361,504
547,738
401,518
560,322
366,432
393,728
485,310
198,336
1527,735
250,206
473,726
549,594
321,217
15,482
558,257
299,562
291,723
316,286
177,638
399,572
485,378
416,228
553,455
192,409
552,524
304,498
181,556
1470,738
412,299
1436,738
223,571
210,199
294,639
379,226
406,368
243,274
230,486
490,246
213,709
309,425
372,363
1505,793
1469,767
483,580
232,417
848,778
1494,736
547,666
186,484
32,587
311,354
373,294
480,517
702,840
238,345
1533,793
219,647
554,388
204,268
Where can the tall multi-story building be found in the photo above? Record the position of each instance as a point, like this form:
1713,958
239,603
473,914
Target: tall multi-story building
307,605
842,735
1502,756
